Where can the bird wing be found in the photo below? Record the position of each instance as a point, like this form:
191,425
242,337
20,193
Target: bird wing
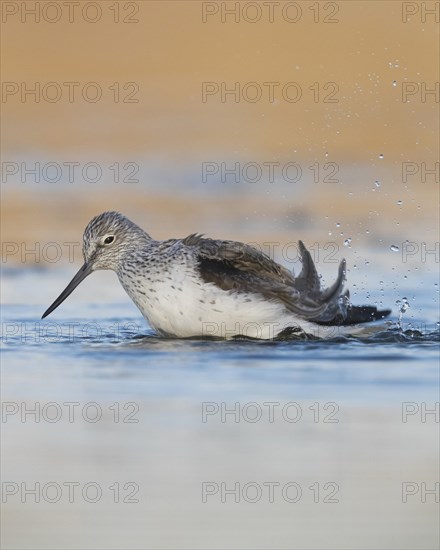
237,267
241,256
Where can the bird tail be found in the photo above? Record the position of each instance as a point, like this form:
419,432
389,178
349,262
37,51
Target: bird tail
364,314
338,311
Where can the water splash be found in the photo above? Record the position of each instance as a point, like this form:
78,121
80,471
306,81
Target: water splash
403,305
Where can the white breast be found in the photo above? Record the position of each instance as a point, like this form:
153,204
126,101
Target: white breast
179,303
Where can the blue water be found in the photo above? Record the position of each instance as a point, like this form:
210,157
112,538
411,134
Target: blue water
360,419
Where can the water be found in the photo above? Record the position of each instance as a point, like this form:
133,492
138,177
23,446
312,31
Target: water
338,430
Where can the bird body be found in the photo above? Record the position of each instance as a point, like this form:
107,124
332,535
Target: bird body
200,287
177,302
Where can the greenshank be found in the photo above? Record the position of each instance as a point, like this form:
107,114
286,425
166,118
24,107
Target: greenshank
201,287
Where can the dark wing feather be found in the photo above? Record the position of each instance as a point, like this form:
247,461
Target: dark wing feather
241,256
239,267
308,279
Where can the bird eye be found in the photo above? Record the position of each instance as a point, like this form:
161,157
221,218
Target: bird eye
109,239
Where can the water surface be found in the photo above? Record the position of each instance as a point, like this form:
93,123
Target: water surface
182,422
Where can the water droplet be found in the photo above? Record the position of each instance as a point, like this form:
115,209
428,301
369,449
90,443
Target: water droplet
404,306
377,183
394,83
338,225
399,203
381,156
394,248
347,241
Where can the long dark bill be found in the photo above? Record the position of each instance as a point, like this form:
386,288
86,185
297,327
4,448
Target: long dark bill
80,276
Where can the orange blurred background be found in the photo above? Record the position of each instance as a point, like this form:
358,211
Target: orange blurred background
364,71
